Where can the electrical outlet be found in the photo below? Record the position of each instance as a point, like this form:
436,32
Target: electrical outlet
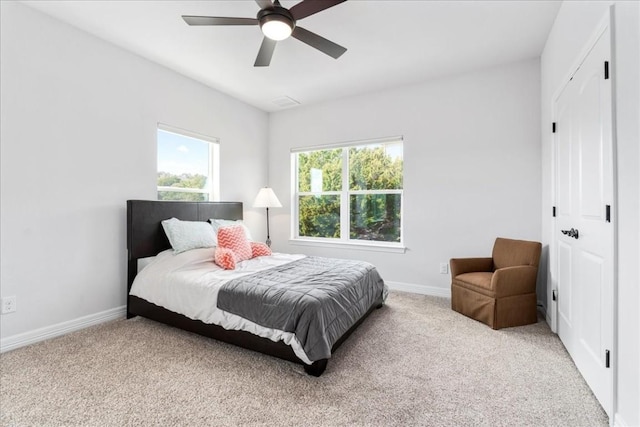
8,305
444,268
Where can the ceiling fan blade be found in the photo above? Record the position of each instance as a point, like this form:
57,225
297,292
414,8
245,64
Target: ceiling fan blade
265,53
309,7
320,43
217,20
264,3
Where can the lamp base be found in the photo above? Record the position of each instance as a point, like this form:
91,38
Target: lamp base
268,242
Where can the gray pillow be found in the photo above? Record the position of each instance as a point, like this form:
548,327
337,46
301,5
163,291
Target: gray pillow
185,235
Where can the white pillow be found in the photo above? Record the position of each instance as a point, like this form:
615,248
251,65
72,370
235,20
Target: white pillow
185,235
217,223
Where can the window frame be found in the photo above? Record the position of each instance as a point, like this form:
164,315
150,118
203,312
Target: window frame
212,189
345,194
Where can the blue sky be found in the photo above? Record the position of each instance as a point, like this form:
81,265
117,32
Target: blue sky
178,154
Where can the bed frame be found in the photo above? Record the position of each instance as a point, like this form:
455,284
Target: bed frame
145,238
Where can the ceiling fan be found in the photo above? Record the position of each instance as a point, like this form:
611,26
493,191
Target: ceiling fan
278,23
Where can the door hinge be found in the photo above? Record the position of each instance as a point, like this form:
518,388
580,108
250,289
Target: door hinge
554,295
553,127
607,357
606,70
553,212
608,213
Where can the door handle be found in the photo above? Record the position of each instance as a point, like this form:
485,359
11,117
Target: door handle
571,233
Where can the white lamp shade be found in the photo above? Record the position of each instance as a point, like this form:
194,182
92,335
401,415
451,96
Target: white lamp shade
266,198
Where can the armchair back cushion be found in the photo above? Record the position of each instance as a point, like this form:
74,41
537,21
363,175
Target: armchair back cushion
509,253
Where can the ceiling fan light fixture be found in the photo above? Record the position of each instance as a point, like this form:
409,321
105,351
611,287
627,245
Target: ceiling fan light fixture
277,23
276,27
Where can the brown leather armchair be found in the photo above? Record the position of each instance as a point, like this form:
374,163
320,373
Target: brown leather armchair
499,291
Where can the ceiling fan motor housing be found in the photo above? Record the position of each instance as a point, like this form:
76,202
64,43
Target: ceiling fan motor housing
276,13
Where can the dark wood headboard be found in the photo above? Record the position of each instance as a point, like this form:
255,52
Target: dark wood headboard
145,235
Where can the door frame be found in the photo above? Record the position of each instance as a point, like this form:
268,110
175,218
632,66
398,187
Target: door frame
606,24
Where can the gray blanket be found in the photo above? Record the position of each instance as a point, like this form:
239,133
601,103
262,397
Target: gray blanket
318,299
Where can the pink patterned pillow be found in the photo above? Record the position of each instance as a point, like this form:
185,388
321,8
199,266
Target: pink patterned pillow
259,249
225,258
234,238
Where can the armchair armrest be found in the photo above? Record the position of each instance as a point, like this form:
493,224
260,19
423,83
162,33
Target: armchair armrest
517,280
468,265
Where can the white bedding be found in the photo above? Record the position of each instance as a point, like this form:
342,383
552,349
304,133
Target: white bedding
187,283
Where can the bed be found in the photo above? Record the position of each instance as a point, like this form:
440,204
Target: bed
146,238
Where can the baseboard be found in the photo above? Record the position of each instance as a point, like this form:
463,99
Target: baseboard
420,289
31,337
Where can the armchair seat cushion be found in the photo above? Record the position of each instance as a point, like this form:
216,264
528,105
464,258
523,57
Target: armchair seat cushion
478,281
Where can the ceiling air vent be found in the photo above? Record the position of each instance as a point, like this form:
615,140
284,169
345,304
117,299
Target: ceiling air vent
285,102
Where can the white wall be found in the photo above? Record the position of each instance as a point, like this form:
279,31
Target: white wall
471,168
574,25
78,120
78,138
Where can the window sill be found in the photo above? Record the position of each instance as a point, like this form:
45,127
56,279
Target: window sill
376,247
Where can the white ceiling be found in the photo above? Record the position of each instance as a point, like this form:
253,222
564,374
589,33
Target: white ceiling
390,43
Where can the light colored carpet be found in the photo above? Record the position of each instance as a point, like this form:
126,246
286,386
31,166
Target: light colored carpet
413,362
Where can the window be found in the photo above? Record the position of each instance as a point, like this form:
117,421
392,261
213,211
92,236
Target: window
187,165
351,193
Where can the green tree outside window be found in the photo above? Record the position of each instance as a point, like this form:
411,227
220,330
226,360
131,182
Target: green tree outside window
372,193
